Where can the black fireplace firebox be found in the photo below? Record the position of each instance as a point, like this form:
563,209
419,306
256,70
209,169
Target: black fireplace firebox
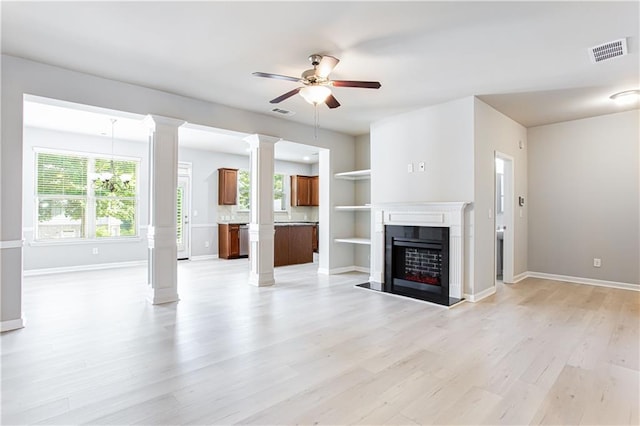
417,263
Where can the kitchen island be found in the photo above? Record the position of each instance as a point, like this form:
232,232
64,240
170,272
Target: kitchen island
293,243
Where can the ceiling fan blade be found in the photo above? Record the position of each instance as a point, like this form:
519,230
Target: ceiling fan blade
326,65
278,76
362,84
332,102
285,96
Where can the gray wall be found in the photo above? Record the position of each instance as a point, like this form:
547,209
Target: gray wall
20,77
204,200
493,131
43,255
584,198
204,195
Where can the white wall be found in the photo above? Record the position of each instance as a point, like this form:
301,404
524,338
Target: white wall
362,196
20,77
493,131
584,198
457,141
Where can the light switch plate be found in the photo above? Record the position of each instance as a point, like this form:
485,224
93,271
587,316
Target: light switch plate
421,166
410,168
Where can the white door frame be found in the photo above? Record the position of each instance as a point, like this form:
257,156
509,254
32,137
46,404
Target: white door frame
509,209
184,178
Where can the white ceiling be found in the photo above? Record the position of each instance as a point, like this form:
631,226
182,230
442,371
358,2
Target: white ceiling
527,59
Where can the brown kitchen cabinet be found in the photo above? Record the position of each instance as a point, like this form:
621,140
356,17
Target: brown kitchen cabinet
293,245
281,246
315,238
227,187
228,241
315,191
304,190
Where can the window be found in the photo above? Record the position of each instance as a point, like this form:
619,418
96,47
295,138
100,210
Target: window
68,204
244,191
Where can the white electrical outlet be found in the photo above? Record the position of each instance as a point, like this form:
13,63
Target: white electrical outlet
421,166
206,244
597,262
95,250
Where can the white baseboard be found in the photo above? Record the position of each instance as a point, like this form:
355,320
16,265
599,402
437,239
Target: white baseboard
203,257
94,267
343,270
580,280
482,295
12,324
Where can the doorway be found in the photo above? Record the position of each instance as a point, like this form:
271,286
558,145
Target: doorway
183,207
503,219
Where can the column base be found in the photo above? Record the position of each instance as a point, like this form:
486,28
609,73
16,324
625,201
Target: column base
262,280
162,295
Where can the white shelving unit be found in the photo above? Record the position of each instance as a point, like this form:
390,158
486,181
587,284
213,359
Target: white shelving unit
354,240
354,175
365,207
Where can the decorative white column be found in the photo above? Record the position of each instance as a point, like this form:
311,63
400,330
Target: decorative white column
163,185
261,230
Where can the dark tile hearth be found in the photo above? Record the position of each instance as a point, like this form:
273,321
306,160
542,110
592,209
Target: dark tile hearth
452,300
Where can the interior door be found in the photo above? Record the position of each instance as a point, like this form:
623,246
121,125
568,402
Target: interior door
182,218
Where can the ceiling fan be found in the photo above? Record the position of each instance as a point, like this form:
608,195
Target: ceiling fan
316,84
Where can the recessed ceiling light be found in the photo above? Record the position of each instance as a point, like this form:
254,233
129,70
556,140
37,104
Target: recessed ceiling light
627,97
306,158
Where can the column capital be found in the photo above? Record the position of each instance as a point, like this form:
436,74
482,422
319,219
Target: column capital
151,120
256,139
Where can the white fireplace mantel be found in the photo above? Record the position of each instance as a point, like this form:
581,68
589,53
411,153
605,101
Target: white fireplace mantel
443,214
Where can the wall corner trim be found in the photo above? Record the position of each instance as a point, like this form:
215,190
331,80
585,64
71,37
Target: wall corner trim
482,295
12,324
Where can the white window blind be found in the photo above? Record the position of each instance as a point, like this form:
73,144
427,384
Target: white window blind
70,205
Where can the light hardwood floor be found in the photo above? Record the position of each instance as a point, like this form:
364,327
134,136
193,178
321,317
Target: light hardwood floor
316,350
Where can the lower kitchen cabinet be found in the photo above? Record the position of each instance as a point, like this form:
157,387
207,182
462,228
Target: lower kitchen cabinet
229,241
293,244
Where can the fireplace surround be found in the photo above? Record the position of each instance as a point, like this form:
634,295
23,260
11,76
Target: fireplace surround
447,215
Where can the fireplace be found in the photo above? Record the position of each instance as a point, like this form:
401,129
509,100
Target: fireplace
438,230
417,262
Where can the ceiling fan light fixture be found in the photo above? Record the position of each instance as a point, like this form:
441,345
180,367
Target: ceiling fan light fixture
627,97
315,94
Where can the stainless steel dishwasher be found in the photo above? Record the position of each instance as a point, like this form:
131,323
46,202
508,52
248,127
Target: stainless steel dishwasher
244,240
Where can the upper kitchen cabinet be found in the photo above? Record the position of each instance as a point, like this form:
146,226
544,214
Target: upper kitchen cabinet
304,191
227,187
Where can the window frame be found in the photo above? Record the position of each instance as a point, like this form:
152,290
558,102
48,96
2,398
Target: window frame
90,199
285,192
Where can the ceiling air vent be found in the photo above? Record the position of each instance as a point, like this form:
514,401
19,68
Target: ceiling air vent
282,111
608,50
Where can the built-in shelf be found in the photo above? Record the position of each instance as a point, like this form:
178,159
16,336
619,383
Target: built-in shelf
355,175
353,208
354,240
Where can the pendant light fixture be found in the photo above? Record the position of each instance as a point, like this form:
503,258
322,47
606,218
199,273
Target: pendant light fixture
109,181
